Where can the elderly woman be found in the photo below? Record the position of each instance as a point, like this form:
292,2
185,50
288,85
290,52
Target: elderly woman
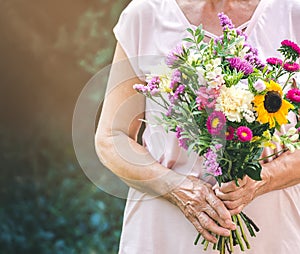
169,201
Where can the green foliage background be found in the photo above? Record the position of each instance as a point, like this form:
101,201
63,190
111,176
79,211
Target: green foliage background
49,50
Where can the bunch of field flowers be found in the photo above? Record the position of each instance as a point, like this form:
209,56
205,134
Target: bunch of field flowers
225,104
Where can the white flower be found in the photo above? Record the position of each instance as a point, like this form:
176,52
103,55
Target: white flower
249,115
159,70
259,85
216,62
276,138
194,57
294,138
201,73
213,73
216,82
291,131
290,147
233,102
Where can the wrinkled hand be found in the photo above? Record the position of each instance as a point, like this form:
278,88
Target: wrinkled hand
202,208
237,197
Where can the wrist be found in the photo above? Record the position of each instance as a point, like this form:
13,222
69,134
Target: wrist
264,185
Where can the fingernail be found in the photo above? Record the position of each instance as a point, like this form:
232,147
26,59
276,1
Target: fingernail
230,224
227,232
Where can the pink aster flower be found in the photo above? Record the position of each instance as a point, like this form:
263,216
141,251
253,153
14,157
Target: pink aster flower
229,133
291,45
293,95
215,123
274,61
244,134
291,67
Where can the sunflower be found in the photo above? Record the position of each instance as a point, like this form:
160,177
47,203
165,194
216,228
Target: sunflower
271,107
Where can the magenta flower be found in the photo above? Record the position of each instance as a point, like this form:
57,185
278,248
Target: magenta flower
244,134
293,95
274,61
215,123
291,67
292,45
229,133
241,65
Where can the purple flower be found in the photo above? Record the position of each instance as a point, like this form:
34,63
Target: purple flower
170,111
218,146
151,88
225,21
211,163
274,61
176,77
173,56
241,65
141,88
179,90
181,141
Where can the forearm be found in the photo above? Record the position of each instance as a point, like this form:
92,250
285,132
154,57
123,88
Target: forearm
280,173
134,164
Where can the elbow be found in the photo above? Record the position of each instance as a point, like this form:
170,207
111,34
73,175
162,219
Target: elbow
103,147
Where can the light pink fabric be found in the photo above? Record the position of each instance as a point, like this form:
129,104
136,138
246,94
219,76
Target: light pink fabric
153,225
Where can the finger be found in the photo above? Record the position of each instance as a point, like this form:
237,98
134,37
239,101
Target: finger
236,210
231,186
228,187
222,216
230,196
205,234
210,225
231,205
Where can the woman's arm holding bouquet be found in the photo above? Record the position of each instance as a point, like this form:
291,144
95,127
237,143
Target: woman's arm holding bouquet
278,174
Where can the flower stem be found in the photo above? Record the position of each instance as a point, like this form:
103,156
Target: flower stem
239,240
231,241
242,231
197,239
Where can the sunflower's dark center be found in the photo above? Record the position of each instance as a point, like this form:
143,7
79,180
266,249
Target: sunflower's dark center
273,102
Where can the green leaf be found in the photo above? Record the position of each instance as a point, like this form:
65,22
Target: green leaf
253,170
191,31
189,40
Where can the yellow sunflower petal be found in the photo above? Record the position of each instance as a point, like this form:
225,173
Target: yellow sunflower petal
273,86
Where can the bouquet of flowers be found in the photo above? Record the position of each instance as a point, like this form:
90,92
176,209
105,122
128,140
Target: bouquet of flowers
226,105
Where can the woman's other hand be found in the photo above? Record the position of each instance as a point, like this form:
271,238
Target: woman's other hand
237,197
202,208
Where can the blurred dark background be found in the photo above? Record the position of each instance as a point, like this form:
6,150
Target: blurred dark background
49,51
